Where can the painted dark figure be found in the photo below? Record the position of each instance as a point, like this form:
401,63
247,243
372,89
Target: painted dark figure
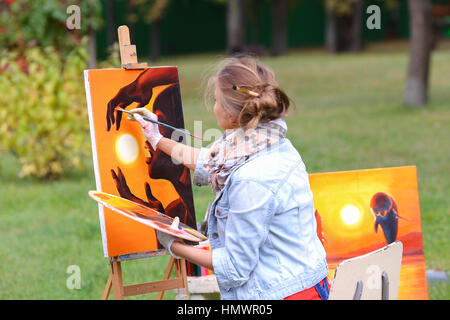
385,210
167,106
140,91
320,233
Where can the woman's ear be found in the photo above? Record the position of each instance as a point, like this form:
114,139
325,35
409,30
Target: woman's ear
234,121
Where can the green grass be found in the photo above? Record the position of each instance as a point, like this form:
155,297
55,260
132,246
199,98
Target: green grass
349,116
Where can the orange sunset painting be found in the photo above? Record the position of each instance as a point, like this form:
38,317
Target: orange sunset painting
125,164
363,210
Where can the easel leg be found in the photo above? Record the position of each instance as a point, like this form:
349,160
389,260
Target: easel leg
182,274
184,277
117,283
107,287
167,275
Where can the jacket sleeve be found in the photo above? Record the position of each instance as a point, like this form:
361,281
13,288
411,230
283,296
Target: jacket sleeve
201,176
247,226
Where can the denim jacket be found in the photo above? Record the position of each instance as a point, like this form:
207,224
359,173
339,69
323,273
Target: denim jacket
262,227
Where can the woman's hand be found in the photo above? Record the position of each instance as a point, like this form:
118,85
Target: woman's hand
194,255
166,241
149,129
182,153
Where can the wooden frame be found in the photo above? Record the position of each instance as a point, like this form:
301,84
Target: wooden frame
128,57
120,291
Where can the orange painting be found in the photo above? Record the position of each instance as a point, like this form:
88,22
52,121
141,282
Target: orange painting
125,164
361,211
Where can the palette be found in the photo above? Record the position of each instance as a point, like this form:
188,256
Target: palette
147,216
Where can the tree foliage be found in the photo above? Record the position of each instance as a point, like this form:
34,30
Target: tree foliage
43,119
345,7
148,10
44,22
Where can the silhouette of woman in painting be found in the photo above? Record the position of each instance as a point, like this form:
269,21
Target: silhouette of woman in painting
167,106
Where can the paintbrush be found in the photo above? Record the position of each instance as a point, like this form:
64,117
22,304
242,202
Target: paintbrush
161,123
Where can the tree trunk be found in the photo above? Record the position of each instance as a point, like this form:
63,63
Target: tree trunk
393,23
131,17
111,23
331,32
357,27
279,30
416,91
344,32
92,47
235,27
154,50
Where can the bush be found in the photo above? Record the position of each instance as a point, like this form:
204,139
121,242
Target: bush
43,118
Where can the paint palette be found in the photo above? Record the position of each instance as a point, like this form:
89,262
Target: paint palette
147,216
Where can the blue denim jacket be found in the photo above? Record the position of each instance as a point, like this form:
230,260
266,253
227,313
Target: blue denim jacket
262,228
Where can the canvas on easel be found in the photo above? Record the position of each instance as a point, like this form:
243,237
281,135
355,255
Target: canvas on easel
360,211
125,164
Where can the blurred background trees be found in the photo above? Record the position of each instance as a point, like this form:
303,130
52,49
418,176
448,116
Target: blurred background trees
33,30
43,117
343,29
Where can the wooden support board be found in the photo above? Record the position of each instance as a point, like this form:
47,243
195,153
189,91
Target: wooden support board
128,52
120,291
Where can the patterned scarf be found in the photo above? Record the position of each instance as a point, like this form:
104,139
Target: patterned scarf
236,145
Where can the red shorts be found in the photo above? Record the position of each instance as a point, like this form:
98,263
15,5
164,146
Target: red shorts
308,294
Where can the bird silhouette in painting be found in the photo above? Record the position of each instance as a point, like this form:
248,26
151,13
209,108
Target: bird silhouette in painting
386,214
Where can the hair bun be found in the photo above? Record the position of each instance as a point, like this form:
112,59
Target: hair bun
271,103
247,91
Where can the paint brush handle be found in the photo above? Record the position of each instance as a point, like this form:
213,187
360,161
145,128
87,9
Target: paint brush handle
161,123
170,127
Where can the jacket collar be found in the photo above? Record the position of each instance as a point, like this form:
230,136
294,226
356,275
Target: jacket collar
251,157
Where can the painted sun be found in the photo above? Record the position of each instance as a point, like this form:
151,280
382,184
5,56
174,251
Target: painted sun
350,214
127,148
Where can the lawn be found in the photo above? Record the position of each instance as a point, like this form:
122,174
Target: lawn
348,115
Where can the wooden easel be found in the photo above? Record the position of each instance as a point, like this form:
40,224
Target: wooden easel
128,57
128,53
120,291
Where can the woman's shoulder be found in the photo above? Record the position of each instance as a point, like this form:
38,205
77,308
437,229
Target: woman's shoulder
271,166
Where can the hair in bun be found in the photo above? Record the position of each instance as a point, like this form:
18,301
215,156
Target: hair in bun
247,90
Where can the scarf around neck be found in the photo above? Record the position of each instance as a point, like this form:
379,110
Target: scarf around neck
236,145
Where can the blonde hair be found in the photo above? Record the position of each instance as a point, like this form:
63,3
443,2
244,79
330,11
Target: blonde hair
247,91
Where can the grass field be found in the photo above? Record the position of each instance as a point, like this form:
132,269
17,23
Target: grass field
349,115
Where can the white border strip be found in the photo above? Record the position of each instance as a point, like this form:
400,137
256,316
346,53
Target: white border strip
95,160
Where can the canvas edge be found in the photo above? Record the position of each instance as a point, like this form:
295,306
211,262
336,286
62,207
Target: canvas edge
95,161
363,170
